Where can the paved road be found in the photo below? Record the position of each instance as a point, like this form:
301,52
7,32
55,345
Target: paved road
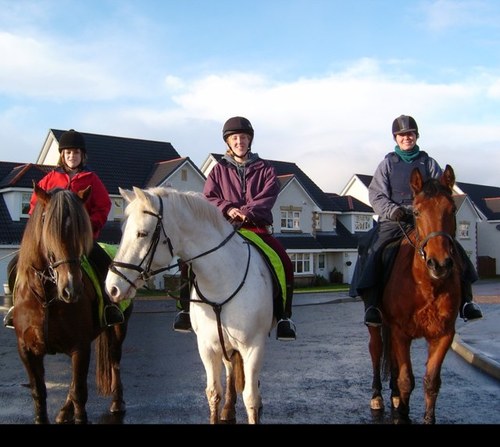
321,378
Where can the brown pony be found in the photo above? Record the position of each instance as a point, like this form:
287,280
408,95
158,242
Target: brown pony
421,299
56,306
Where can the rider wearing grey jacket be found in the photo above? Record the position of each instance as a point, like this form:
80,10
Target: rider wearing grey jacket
391,198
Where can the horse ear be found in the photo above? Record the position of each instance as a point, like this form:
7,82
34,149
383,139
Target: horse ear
139,193
40,193
126,194
448,178
84,194
416,181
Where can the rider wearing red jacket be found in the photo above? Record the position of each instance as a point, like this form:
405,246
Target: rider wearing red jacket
72,173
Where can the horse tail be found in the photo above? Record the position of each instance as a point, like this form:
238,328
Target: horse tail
386,352
239,374
103,369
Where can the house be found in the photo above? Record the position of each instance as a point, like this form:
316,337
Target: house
478,219
318,230
119,162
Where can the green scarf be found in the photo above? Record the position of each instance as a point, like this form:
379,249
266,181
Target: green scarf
408,156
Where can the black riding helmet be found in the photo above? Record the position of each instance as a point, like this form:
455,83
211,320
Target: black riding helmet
72,139
404,124
237,124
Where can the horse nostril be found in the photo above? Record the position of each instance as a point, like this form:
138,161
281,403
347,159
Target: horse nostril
431,264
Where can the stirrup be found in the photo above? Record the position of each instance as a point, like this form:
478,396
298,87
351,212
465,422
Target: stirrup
182,322
116,315
8,319
373,317
471,311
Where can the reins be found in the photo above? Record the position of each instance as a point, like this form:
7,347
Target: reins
146,272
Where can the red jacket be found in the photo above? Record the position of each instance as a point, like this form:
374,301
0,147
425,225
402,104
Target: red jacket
98,204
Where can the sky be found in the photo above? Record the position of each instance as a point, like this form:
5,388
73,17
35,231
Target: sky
320,80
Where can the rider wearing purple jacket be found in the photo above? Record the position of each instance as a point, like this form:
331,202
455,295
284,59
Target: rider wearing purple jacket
244,188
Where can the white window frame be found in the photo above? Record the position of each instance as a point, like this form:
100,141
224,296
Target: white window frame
25,204
302,263
290,220
463,229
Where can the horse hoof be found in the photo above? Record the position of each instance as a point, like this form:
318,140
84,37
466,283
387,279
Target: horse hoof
377,403
117,407
228,421
228,417
395,402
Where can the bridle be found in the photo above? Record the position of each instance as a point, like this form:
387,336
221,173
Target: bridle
147,272
420,245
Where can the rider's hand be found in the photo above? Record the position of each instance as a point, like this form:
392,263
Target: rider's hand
399,214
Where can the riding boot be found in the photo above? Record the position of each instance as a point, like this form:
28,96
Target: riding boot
182,321
285,329
468,310
373,315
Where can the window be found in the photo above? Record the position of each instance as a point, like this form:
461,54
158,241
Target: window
316,223
117,209
302,263
362,223
290,220
463,230
25,204
184,175
321,262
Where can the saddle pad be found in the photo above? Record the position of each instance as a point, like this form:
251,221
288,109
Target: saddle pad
271,257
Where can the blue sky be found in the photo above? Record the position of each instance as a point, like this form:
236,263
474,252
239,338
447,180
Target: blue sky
321,80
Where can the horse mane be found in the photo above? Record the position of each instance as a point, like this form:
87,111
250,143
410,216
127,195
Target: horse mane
47,230
433,187
195,202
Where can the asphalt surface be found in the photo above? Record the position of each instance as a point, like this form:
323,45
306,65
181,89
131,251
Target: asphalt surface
477,342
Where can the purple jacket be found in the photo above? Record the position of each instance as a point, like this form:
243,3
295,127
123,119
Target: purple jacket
253,187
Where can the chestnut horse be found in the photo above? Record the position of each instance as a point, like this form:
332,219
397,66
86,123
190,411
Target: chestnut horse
421,299
56,306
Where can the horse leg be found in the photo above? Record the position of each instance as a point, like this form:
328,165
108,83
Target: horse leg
401,345
251,366
36,373
213,369
432,379
375,346
113,358
76,400
228,414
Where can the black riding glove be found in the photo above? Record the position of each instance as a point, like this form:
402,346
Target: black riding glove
399,214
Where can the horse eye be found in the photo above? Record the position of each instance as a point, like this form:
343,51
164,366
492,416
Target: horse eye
415,213
141,234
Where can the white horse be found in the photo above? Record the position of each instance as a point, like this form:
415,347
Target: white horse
232,302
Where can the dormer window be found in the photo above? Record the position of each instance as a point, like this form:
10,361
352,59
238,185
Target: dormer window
25,204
